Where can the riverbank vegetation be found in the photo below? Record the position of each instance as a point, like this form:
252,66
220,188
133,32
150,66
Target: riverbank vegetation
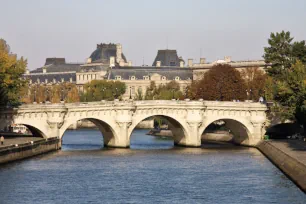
11,71
288,73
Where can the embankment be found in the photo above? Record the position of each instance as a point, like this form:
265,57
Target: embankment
21,151
291,166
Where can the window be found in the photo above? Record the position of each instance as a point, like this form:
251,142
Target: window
146,78
164,78
63,80
132,77
172,64
117,77
70,79
38,80
177,78
46,81
54,80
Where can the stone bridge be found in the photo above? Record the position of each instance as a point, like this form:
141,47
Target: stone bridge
117,119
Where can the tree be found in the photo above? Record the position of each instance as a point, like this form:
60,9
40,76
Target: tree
98,90
168,91
11,71
291,93
222,83
279,53
139,95
255,82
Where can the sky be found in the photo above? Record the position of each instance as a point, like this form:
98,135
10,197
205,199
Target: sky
37,29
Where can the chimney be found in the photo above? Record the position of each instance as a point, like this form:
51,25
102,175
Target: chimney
158,63
88,60
181,63
202,60
227,59
121,63
44,69
129,63
112,61
118,53
190,62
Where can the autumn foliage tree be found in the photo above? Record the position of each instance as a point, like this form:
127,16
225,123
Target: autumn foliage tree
11,70
222,82
255,80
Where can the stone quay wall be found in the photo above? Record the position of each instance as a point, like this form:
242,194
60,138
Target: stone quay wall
13,153
294,169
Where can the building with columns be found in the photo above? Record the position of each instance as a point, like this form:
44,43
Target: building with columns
108,62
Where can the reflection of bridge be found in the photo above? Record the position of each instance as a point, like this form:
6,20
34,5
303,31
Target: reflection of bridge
117,120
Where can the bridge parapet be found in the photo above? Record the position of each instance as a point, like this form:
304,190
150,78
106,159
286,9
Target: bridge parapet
117,119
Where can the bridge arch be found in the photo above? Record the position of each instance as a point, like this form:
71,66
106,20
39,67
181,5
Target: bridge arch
106,129
241,128
35,130
178,127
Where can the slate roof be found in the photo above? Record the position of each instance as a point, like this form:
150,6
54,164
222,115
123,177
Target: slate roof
167,58
59,68
104,52
58,77
169,72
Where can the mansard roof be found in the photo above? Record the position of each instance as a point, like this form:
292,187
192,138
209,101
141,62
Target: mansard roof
58,77
58,68
167,58
139,72
103,52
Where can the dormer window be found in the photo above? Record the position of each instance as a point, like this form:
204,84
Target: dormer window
164,78
38,80
70,79
63,80
177,78
54,80
117,77
146,78
46,81
132,77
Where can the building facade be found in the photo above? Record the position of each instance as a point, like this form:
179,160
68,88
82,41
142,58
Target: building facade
108,62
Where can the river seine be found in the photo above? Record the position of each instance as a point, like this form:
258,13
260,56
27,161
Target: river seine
152,171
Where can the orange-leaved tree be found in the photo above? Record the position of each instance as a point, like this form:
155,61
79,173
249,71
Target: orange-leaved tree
222,83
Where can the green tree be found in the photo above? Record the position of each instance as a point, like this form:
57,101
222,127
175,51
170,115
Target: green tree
11,71
279,52
168,91
98,90
291,93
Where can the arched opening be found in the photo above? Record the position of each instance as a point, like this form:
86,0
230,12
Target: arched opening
226,130
86,134
164,133
284,131
26,130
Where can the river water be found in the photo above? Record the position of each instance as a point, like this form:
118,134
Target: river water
152,171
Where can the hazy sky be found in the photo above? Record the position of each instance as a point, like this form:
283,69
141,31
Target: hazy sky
39,29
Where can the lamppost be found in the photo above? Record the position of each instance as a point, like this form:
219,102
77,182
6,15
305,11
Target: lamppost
172,94
103,90
130,92
47,95
251,94
116,93
34,100
62,95
186,92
